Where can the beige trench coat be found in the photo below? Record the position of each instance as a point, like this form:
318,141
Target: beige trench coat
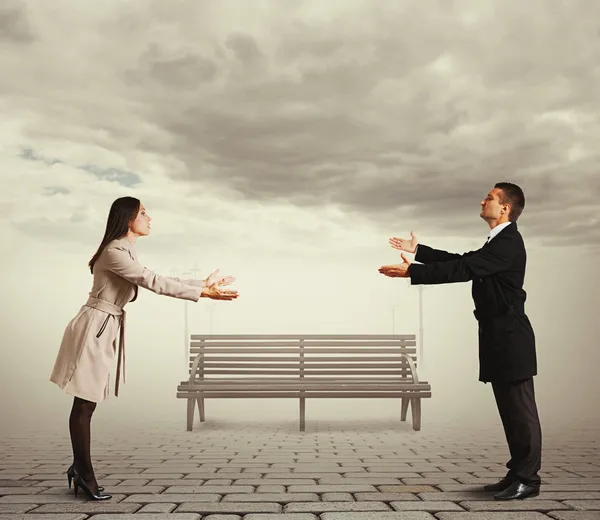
89,343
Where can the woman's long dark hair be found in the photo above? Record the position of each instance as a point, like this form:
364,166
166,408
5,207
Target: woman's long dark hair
122,212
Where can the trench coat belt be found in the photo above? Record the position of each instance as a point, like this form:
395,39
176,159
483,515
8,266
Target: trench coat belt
113,310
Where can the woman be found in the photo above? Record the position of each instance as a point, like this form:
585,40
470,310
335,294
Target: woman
89,343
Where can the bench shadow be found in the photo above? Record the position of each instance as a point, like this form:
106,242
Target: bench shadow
312,426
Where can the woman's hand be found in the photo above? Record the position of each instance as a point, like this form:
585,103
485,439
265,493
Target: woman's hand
215,293
216,278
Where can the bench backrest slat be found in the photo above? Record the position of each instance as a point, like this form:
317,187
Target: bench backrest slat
310,356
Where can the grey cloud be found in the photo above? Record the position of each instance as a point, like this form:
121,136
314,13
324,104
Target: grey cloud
245,48
123,177
185,70
56,190
31,155
14,23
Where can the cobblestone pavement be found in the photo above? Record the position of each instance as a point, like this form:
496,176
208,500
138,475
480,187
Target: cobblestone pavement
269,471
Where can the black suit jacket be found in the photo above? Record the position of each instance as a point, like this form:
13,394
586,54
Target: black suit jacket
497,271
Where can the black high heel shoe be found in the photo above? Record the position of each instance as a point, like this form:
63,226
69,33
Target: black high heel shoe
78,482
71,473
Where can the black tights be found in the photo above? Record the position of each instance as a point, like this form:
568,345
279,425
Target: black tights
79,427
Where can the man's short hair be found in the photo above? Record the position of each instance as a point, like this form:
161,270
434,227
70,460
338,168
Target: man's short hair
513,195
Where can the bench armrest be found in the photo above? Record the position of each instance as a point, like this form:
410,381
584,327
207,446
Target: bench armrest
195,368
413,368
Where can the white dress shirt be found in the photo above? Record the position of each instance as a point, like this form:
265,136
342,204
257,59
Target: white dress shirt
496,230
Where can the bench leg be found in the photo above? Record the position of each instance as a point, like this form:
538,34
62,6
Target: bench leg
191,404
200,401
302,413
405,403
415,404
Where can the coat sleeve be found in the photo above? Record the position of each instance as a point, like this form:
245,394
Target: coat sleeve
427,255
119,261
494,258
191,281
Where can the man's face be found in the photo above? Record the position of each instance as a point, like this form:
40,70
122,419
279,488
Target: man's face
490,205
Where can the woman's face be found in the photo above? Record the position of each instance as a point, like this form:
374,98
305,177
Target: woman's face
141,225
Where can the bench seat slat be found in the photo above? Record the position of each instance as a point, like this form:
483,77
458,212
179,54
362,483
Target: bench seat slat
307,365
406,385
308,395
295,337
307,350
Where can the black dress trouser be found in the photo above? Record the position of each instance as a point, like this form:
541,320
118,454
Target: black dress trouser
518,411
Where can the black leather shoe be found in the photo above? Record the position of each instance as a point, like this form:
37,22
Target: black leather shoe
499,486
518,490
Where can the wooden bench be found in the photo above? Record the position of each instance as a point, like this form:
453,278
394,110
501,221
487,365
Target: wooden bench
303,367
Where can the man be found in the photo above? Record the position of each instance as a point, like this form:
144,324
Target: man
507,356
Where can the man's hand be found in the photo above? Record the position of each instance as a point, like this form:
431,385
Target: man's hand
215,278
403,244
396,270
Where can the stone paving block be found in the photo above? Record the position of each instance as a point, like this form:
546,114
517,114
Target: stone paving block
49,516
337,497
221,490
504,515
583,504
289,475
149,516
108,489
16,508
275,482
385,515
222,517
289,516
457,495
334,488
573,515
106,506
420,481
67,497
16,483
63,482
280,498
173,497
425,505
224,476
129,482
513,505
157,508
378,481
381,474
124,472
178,482
403,488
147,476
271,489
385,497
240,508
323,507
21,490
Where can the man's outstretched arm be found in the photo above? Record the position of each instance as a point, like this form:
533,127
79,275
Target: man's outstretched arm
496,257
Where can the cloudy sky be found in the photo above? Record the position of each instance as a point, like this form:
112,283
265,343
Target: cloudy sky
285,142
